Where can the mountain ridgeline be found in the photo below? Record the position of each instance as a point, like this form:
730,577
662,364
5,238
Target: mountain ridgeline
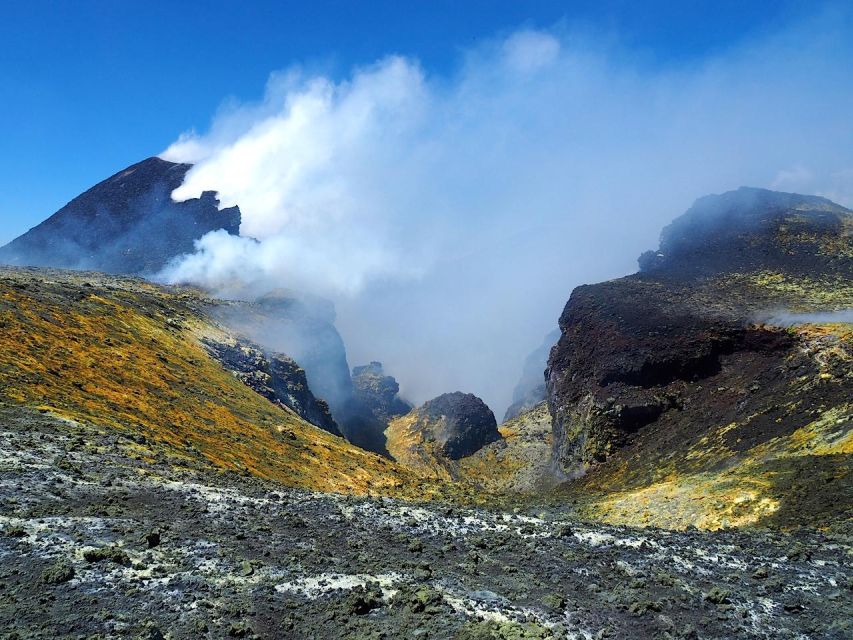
127,224
712,388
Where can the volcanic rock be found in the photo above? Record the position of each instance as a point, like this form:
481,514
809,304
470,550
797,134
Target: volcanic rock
442,430
460,423
276,377
677,370
379,392
126,224
302,326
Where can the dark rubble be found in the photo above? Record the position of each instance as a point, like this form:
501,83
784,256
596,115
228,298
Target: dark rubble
102,536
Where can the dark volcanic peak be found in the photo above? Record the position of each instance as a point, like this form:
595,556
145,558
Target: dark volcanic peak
466,423
379,392
754,229
126,224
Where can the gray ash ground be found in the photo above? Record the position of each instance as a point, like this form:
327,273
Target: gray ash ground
97,541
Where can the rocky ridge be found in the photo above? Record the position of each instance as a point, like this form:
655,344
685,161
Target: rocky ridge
669,387
302,326
274,376
127,223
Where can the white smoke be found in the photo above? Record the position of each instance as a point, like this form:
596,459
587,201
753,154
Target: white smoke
450,217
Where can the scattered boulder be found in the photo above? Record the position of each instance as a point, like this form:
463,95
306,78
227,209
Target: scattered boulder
59,572
442,431
113,553
152,538
363,600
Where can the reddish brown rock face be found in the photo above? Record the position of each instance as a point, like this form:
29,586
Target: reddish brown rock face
650,369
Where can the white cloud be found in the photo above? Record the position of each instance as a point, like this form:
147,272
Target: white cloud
450,217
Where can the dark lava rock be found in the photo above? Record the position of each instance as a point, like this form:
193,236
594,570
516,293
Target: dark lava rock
115,554
276,377
363,600
153,539
678,347
126,224
379,392
374,403
302,326
717,596
59,572
461,423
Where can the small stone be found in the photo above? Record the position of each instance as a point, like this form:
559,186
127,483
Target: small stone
362,600
554,601
153,539
761,573
717,596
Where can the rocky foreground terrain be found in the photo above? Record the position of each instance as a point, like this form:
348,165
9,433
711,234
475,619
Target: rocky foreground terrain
104,535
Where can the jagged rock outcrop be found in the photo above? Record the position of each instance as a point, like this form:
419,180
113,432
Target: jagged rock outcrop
126,224
671,380
530,390
276,377
379,392
433,436
302,326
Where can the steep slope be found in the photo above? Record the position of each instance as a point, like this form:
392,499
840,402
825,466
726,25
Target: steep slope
128,355
518,463
126,224
678,397
275,376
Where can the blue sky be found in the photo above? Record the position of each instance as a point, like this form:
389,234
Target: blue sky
90,87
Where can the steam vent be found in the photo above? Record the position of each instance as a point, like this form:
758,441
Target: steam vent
363,352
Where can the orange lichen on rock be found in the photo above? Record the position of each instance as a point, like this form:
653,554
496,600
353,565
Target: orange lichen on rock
128,357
